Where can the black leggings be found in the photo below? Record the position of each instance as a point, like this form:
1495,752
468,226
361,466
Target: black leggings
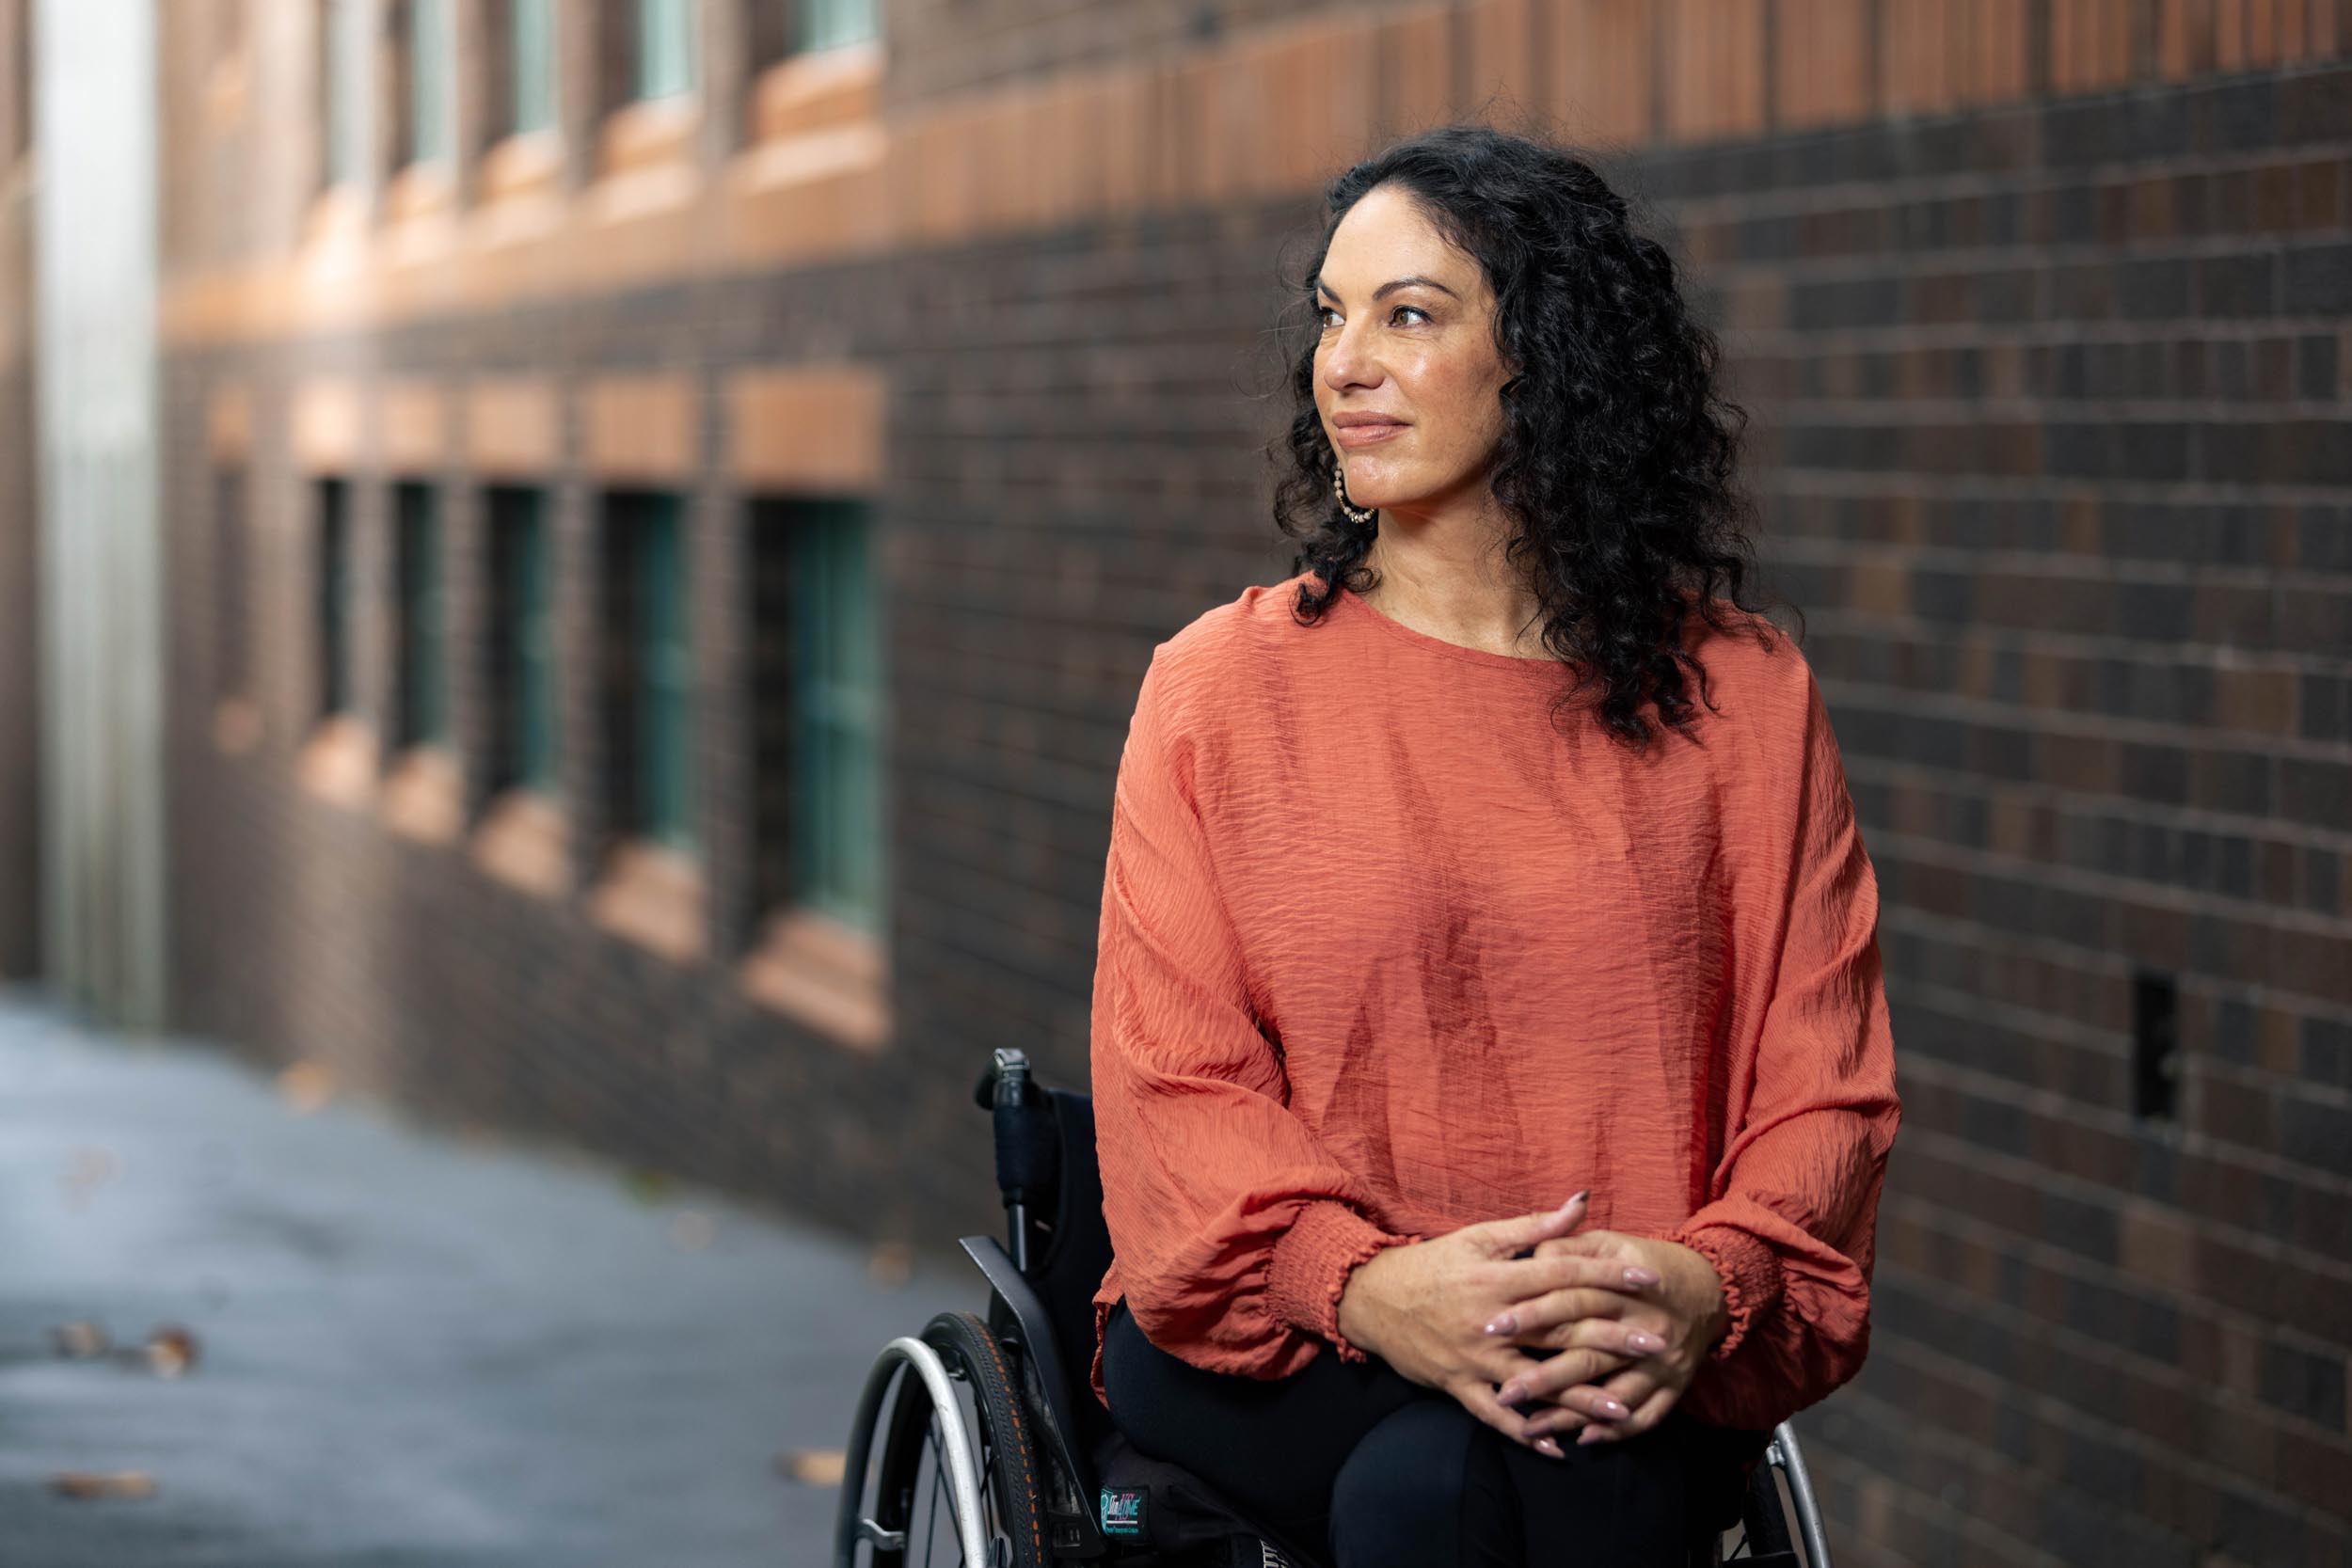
1380,1472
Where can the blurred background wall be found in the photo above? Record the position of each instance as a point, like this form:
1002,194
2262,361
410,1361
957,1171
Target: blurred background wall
667,504
20,666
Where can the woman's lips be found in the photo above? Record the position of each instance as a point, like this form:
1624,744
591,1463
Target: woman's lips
1366,434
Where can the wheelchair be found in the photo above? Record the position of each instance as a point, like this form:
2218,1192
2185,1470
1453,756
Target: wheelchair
978,1441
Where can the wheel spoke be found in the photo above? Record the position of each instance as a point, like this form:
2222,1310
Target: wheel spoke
989,1512
930,1441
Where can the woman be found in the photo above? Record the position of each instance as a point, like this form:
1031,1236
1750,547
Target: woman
1413,923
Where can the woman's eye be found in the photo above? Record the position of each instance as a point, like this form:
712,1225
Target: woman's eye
1324,312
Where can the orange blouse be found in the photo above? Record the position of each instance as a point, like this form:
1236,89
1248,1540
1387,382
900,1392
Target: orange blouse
1384,952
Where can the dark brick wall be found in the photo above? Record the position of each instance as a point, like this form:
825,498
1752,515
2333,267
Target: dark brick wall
2055,454
2051,435
941,47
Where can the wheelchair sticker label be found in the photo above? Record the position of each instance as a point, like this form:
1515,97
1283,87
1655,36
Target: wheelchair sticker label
1122,1511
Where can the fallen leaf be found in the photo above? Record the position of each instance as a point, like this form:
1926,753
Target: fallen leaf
305,1086
172,1349
79,1340
103,1484
890,1265
814,1467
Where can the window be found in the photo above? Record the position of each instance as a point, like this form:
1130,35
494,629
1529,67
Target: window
523,695
231,671
422,714
343,76
813,561
827,24
431,44
665,48
531,55
649,668
334,596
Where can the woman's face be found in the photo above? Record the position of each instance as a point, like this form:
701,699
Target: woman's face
1408,341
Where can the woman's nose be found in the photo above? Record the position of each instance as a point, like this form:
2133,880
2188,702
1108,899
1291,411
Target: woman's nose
1347,365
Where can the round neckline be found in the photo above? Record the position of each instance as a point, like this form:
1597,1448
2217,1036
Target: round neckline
1424,640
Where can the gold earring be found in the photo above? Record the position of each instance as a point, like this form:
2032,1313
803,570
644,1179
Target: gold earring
1360,515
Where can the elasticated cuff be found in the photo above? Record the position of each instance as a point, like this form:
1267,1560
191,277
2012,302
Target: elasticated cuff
1310,1265
1751,1274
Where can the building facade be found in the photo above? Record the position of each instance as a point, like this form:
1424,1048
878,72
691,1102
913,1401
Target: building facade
668,503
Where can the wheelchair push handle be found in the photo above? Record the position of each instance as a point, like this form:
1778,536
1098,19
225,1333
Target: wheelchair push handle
1025,1146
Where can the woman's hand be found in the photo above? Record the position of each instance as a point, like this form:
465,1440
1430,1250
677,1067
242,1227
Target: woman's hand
1684,1310
1423,1308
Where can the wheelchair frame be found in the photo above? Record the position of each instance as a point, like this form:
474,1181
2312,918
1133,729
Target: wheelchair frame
1019,1320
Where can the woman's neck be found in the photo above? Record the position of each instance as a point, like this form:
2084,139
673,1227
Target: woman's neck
1464,594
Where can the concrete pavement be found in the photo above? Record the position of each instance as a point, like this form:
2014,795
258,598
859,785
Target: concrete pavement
412,1350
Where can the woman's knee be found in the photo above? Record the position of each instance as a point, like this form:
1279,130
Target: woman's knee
1420,1490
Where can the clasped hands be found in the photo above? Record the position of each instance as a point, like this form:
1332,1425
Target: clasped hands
1595,1332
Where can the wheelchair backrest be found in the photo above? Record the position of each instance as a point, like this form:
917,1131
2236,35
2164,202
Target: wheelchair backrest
1052,1146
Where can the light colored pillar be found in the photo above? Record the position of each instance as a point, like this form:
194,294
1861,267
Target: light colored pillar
102,747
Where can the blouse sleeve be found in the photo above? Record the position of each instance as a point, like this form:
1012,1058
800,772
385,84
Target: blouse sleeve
1234,1226
1792,1217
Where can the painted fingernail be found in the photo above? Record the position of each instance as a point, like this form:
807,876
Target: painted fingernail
1572,1200
1637,1277
1507,1324
1614,1407
1645,1343
1590,1435
1546,1446
1510,1393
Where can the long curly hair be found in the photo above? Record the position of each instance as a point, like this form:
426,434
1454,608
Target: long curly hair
1618,462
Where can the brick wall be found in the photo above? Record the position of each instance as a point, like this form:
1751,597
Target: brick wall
2045,330
2056,464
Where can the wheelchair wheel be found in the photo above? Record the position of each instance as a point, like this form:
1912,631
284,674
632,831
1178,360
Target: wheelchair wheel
955,1477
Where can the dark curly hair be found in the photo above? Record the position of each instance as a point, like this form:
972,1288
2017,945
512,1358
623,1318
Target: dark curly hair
1618,461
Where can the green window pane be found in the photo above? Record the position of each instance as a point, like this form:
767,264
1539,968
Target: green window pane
533,86
231,643
665,48
838,829
422,616
429,48
827,24
343,65
523,639
534,645
665,675
334,598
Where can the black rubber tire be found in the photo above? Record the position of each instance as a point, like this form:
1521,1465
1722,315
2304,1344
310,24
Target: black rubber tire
1007,1457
